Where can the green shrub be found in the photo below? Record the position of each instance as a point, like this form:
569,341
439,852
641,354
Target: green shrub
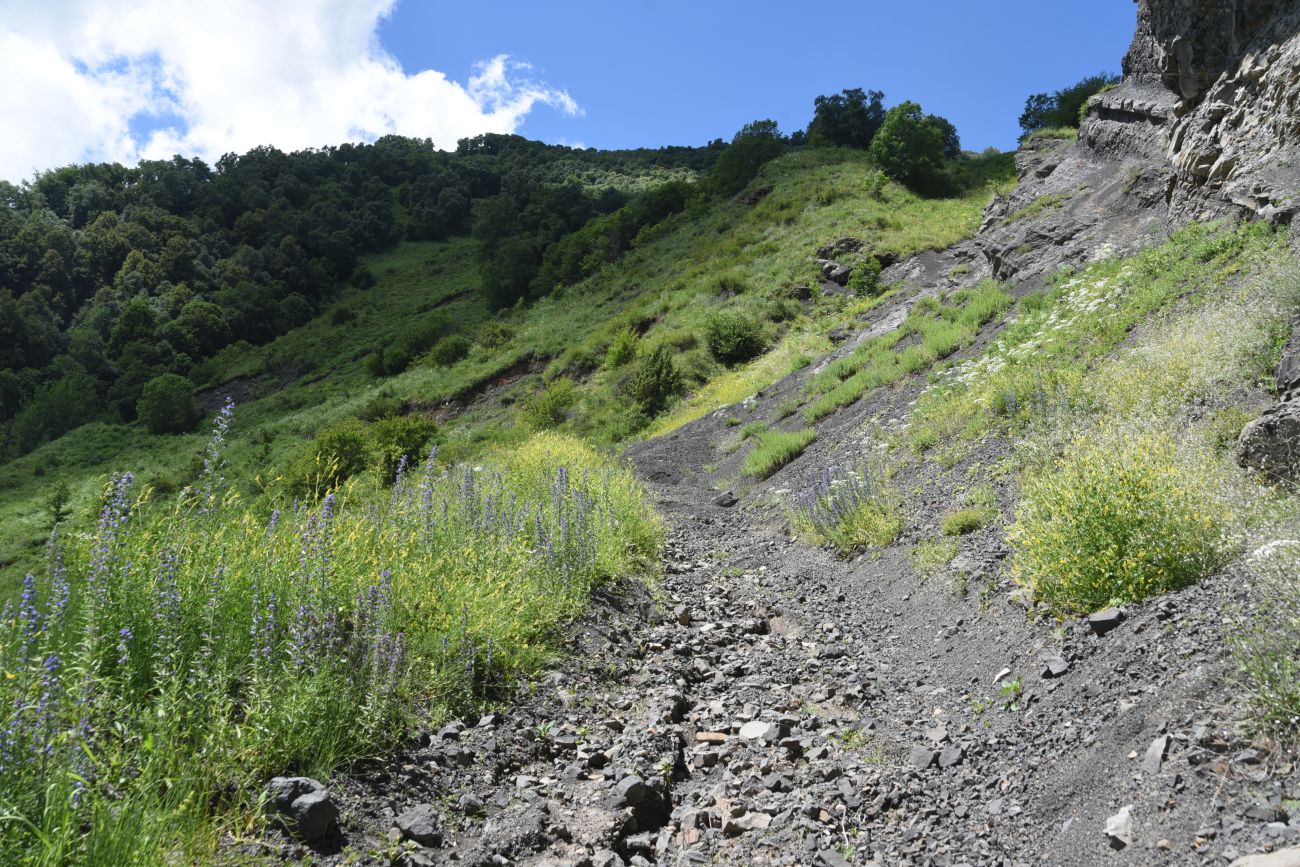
622,349
380,406
494,334
1121,516
865,279
167,405
910,149
733,337
774,449
448,350
399,436
338,453
549,407
655,380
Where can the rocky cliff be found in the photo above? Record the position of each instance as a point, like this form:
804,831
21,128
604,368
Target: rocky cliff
1211,88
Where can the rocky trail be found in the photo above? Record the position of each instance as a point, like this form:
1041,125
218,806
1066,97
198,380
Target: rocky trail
769,704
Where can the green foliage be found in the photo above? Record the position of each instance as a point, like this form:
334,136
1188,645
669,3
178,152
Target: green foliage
380,406
928,556
205,646
622,349
338,453
865,279
910,149
1122,515
756,144
849,119
980,510
1065,107
655,380
448,350
167,405
733,337
774,449
549,407
400,436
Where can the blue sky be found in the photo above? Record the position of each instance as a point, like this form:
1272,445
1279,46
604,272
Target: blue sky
672,72
121,80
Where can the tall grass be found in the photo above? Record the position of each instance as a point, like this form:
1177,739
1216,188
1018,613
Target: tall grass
163,667
851,509
774,449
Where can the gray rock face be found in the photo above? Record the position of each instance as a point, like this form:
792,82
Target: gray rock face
304,806
1210,86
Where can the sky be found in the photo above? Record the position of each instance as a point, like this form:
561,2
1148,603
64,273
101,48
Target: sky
122,80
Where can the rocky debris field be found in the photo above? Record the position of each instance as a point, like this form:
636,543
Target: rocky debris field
769,704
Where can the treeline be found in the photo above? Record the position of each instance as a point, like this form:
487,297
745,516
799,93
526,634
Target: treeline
113,277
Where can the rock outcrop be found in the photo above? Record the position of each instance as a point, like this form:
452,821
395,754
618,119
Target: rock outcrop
1212,88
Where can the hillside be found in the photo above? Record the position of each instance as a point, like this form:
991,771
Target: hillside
796,502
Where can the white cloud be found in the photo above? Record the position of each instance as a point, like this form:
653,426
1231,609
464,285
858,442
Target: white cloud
226,77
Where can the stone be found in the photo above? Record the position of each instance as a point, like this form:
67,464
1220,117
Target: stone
1289,857
1103,621
752,731
951,755
839,274
922,758
1263,811
1271,443
305,806
1053,665
726,499
682,615
1155,755
631,790
997,678
756,821
421,824
470,804
799,292
710,738
831,858
1119,828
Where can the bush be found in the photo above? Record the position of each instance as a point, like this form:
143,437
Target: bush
909,148
448,350
381,406
550,406
733,337
494,334
397,437
774,449
622,349
1121,516
865,279
655,380
851,511
167,405
338,453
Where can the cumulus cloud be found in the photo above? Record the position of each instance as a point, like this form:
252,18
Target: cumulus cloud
84,79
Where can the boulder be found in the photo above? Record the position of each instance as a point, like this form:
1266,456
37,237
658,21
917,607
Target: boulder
304,806
1271,443
421,824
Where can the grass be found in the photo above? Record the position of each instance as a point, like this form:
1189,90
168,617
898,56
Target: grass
981,510
850,510
1048,202
1268,649
943,325
192,647
1067,133
928,556
661,291
1122,515
774,449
